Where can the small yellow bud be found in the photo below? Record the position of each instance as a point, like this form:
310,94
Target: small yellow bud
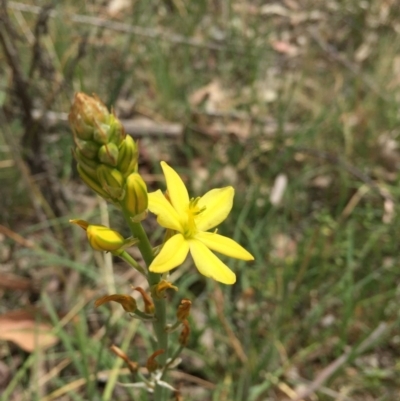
135,200
128,157
102,238
88,165
126,301
111,181
118,132
90,182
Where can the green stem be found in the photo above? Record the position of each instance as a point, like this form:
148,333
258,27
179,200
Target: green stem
159,304
128,258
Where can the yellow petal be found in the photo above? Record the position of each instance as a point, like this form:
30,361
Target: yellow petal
172,254
218,204
224,245
209,265
176,190
166,214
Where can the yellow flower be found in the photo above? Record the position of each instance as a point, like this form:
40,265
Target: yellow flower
191,218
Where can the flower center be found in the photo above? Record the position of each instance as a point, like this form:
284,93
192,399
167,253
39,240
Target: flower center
193,212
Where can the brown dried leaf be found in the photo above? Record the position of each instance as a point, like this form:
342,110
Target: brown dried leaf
26,329
283,47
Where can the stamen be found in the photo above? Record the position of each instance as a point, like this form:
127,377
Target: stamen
193,212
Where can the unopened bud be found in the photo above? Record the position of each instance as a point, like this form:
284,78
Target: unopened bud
117,130
86,113
135,200
88,149
128,157
90,182
126,301
102,238
108,154
111,181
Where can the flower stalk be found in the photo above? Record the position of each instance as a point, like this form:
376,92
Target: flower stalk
108,163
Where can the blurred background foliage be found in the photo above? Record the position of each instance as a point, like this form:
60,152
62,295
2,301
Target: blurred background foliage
296,104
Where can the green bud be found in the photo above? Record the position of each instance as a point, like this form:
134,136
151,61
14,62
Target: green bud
128,157
135,200
102,134
91,183
111,181
117,131
108,154
87,165
88,149
85,115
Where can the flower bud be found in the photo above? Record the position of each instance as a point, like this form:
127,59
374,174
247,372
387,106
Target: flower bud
108,154
88,149
88,165
86,113
128,157
102,133
91,183
102,238
117,130
111,181
135,200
